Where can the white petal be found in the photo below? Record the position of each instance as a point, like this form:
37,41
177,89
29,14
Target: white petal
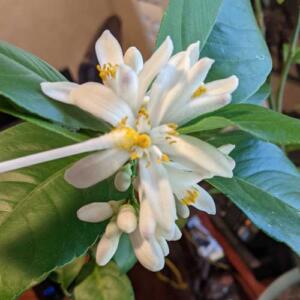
59,91
95,212
226,149
134,59
148,253
158,192
182,177
177,234
101,102
204,201
108,49
164,245
126,219
112,229
147,224
222,86
193,51
106,249
196,154
195,78
173,235
153,65
127,86
199,106
96,167
103,142
170,75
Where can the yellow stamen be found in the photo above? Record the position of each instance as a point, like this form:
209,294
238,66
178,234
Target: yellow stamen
134,155
165,158
143,112
200,91
123,122
190,197
132,139
144,140
173,126
107,71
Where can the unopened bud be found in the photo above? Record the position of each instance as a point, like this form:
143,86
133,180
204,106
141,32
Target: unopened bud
123,179
112,229
95,212
126,219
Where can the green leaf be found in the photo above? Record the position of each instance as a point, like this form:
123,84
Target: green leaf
125,257
65,275
9,109
188,22
105,283
20,76
261,122
40,230
234,39
262,94
266,186
238,48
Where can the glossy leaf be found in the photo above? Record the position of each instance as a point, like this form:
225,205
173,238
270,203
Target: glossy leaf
105,283
266,186
262,94
38,211
188,22
20,76
261,122
234,39
10,109
238,48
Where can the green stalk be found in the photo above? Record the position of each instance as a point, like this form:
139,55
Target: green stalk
287,65
260,16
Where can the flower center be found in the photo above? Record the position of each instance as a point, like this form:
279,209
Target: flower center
132,139
190,197
107,71
200,91
144,141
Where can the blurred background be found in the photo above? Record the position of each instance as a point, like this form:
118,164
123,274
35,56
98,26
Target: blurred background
220,257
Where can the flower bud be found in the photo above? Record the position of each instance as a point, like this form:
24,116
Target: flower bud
126,219
183,211
177,234
112,229
106,248
148,252
164,245
95,212
147,222
122,179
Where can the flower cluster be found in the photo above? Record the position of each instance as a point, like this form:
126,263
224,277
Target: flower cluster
144,103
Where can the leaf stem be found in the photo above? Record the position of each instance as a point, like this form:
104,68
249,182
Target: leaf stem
287,65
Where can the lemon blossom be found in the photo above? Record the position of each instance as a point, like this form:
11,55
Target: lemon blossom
145,103
123,219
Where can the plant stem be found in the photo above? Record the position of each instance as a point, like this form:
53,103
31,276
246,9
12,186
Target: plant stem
287,65
260,16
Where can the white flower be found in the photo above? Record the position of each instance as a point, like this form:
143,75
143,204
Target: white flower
145,103
150,253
